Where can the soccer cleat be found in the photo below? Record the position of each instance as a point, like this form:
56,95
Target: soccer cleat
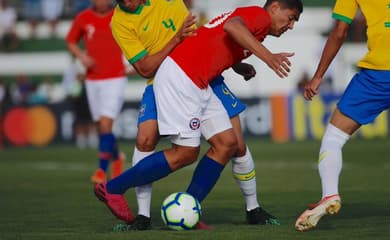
118,165
203,226
115,202
260,216
309,218
141,223
99,176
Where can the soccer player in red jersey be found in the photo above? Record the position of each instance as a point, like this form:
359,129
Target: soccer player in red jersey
186,105
105,78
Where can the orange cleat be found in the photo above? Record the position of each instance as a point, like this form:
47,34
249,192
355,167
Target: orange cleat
118,165
99,176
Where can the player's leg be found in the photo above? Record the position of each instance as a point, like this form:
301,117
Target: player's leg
329,166
243,166
217,130
147,139
94,100
111,98
360,104
152,168
174,108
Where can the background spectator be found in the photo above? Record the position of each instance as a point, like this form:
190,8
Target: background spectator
21,90
80,5
84,128
32,13
51,12
3,93
8,38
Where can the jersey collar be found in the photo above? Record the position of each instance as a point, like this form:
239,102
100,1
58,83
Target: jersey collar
137,11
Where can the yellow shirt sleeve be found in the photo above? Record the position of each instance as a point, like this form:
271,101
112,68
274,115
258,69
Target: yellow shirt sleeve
128,41
345,10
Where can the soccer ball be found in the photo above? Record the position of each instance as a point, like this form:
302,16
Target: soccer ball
180,211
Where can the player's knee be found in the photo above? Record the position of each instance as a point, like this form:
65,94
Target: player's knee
105,125
182,157
241,149
146,143
228,146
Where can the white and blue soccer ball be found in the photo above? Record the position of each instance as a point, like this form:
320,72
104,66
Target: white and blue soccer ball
180,211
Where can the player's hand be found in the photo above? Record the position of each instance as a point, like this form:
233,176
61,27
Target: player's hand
87,60
280,63
188,28
311,88
245,69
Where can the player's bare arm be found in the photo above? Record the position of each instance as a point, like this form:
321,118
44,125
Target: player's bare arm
148,65
84,58
332,46
278,62
245,69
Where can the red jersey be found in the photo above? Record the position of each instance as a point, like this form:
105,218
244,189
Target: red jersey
206,55
99,42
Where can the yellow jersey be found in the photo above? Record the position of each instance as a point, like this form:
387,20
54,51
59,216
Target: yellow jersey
377,14
148,29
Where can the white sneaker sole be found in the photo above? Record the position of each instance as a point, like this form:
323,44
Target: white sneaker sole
310,218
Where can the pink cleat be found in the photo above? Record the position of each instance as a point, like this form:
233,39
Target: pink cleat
115,202
203,226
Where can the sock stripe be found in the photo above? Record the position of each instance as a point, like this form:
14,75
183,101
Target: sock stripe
245,176
322,156
105,155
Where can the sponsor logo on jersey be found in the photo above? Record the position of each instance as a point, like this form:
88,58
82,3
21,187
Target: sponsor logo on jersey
215,22
145,28
142,110
194,123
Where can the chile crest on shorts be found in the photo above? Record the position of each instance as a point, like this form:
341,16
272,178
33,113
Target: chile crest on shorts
194,123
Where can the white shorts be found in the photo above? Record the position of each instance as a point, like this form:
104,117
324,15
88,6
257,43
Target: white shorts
105,97
184,111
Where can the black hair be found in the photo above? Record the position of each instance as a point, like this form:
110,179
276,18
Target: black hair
290,4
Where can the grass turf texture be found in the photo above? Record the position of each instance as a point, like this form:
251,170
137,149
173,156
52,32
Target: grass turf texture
46,194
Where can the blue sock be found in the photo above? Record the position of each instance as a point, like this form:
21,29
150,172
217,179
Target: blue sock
106,142
114,148
148,170
205,176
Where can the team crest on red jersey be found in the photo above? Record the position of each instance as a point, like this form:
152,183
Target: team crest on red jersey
194,123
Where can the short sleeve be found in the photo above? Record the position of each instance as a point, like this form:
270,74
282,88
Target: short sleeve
256,19
127,39
345,10
75,32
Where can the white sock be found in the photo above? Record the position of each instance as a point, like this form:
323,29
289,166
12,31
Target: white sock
81,141
330,160
93,140
143,193
245,175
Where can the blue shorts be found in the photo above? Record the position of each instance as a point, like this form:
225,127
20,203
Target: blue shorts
148,110
367,95
231,103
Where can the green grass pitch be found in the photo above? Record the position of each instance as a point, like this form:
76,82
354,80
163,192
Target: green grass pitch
46,194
